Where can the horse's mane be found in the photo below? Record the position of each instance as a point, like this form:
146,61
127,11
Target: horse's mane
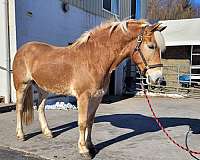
113,25
107,24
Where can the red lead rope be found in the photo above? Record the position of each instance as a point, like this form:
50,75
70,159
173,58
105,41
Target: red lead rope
163,129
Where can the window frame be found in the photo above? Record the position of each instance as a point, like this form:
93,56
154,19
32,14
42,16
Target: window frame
111,12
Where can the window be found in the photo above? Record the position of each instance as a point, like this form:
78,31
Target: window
111,6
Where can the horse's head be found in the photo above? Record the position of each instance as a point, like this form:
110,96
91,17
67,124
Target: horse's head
149,43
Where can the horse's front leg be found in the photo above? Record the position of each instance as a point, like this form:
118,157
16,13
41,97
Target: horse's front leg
94,103
43,122
83,102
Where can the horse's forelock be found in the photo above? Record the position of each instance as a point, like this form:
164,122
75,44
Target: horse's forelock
160,40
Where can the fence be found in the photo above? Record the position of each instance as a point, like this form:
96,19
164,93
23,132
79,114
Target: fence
178,81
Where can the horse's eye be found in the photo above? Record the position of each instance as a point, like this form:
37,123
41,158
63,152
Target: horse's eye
151,46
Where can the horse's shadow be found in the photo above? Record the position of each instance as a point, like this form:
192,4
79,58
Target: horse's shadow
56,130
139,124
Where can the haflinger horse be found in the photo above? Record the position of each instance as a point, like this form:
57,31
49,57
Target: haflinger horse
83,70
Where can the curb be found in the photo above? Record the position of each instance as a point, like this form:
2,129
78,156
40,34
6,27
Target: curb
7,107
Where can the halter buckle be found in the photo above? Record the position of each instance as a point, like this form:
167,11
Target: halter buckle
140,38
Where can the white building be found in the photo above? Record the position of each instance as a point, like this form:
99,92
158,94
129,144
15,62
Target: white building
183,45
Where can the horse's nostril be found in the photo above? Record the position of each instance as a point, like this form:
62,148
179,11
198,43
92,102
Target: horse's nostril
162,81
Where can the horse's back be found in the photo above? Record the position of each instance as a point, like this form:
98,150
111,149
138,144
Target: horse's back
33,48
26,57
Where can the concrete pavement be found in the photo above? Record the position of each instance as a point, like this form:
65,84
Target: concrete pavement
9,154
123,130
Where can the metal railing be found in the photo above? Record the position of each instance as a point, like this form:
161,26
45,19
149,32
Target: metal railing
175,82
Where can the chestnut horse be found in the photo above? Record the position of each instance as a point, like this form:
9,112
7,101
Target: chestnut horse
83,70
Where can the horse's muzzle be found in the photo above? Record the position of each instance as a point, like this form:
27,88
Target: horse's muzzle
155,77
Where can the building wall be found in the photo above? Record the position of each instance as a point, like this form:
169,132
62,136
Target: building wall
37,21
42,21
96,7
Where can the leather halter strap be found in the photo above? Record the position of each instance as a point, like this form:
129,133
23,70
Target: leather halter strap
137,49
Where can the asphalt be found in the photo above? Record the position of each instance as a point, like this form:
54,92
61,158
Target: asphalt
9,154
123,130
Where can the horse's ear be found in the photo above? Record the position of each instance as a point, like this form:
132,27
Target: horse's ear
161,28
158,27
155,27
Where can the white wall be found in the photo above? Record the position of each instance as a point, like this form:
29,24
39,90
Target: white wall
4,49
12,42
48,23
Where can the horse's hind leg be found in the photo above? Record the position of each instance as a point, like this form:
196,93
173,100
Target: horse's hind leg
20,95
94,103
41,111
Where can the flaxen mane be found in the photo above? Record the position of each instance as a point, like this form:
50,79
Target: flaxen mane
113,25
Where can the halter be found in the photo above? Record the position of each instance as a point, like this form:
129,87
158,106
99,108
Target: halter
137,49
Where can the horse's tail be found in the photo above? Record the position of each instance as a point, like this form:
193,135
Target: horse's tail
28,112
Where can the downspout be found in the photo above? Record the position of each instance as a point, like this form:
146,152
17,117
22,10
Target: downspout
8,57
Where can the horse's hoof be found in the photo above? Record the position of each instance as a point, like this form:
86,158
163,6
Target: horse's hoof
86,156
48,134
93,151
20,138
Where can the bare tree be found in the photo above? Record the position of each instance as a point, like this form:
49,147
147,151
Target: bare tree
197,11
169,9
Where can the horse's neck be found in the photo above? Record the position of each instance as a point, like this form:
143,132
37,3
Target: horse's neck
119,49
114,55
107,51
118,59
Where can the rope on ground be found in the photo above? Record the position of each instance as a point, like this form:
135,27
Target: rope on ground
186,144
191,152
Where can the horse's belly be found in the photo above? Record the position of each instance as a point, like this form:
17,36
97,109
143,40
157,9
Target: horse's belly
54,78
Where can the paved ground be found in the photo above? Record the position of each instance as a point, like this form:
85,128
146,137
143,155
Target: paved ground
9,154
123,130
